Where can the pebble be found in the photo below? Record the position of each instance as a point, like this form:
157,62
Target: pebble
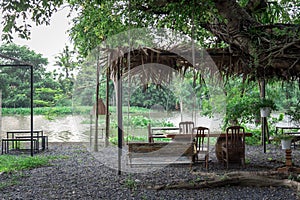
81,176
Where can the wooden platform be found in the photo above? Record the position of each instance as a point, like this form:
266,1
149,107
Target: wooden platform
161,153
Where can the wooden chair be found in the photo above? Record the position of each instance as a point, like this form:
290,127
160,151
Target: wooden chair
233,150
202,145
185,132
186,127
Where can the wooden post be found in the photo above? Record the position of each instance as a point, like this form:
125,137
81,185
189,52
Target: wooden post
263,119
150,140
288,158
120,117
288,163
97,106
107,108
91,127
0,113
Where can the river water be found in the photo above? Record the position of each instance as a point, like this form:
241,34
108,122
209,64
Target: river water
77,128
62,129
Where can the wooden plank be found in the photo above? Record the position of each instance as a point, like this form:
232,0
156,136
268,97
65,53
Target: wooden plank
160,160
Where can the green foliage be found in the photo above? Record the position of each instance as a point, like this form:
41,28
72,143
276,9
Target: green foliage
63,110
15,81
241,107
39,111
185,91
96,22
65,61
279,137
130,183
99,21
294,113
132,138
272,121
46,97
15,111
16,15
244,102
141,121
153,95
256,136
256,131
263,103
13,163
129,138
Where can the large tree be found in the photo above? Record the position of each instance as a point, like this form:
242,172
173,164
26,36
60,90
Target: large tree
260,37
15,81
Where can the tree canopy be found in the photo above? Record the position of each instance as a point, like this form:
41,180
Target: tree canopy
260,37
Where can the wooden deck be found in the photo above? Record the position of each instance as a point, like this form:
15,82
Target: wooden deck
160,153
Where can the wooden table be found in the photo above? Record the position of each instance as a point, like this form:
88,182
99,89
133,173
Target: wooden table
282,128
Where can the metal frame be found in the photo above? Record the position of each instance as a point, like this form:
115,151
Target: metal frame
24,64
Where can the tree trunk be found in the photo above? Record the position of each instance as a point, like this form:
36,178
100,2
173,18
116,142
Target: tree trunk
257,179
261,55
236,28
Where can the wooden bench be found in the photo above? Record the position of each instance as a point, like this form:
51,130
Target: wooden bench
158,132
15,141
161,153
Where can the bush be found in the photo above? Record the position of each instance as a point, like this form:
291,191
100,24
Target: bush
141,121
294,113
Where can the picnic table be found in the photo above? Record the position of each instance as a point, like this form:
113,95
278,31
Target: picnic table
16,136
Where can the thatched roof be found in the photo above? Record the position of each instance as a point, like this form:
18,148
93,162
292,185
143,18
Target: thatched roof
159,65
215,61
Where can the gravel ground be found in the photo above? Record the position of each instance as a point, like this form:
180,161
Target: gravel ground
79,174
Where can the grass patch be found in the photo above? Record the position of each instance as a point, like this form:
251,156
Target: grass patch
130,183
9,163
13,163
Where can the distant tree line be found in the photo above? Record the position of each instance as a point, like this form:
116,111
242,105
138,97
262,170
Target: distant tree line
51,88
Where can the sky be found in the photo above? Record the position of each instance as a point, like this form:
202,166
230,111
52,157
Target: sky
49,40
